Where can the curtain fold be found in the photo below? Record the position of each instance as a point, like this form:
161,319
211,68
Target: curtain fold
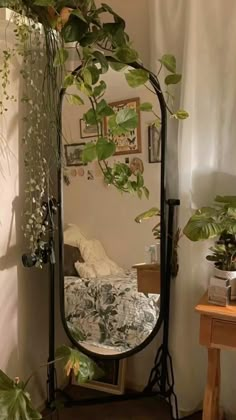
201,163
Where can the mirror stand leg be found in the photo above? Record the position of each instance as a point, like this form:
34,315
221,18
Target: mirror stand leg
162,374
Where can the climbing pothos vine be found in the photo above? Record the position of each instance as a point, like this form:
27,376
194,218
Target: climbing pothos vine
99,37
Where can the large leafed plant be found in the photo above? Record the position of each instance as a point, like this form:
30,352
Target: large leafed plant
15,401
218,221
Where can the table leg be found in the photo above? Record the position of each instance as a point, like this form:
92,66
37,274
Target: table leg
212,390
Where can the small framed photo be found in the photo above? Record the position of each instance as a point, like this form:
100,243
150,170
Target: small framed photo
130,142
154,144
113,381
88,131
73,154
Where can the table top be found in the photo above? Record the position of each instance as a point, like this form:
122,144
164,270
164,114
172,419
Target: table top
153,266
206,308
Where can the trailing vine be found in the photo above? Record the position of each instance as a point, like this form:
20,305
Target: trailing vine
43,29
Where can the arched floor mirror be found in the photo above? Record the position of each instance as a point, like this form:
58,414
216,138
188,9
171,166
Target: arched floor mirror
108,307
105,310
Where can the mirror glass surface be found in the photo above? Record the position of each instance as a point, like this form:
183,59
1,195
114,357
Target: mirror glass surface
110,306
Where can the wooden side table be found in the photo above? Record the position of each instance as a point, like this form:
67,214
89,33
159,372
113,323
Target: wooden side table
217,331
149,278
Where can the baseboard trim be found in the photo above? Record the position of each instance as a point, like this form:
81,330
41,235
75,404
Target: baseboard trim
133,387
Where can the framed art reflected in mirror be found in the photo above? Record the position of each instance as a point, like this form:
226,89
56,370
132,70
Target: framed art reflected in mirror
73,154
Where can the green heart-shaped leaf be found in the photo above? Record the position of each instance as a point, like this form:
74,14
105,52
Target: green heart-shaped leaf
181,114
89,152
90,117
146,215
15,403
116,65
103,109
74,29
127,119
82,366
126,54
169,62
146,106
204,224
100,89
79,14
136,77
105,148
74,99
173,79
101,59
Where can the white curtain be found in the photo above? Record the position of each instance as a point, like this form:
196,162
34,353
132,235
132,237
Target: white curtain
201,163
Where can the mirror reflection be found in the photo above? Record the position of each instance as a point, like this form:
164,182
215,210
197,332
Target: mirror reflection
111,262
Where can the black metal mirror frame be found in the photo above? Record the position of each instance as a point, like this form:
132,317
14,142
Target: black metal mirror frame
165,287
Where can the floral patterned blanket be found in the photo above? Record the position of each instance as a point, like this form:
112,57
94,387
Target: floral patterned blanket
109,312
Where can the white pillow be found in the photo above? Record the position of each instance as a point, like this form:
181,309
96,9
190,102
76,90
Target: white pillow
85,270
73,236
91,270
93,252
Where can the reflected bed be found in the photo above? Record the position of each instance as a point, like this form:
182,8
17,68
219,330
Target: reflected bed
108,312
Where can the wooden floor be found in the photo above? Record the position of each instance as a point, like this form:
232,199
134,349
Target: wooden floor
142,409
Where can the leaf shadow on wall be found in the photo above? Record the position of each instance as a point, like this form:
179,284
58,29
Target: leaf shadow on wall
206,185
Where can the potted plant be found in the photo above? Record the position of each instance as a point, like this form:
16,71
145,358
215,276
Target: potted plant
218,221
15,401
156,230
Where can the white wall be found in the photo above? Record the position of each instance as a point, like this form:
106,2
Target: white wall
24,292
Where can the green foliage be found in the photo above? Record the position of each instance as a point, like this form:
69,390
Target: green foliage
181,114
172,79
74,29
218,221
105,148
169,62
74,99
100,44
153,212
137,77
44,3
103,110
127,119
126,55
15,402
83,368
149,214
146,106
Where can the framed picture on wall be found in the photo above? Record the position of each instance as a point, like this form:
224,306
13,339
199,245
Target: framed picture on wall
89,131
113,381
154,144
131,141
73,154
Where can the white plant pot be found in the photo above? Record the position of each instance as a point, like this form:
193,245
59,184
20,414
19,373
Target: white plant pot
227,275
222,274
